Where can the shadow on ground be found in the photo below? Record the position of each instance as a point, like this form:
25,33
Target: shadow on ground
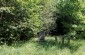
49,43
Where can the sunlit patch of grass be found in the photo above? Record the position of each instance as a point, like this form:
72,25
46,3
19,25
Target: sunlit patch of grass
49,47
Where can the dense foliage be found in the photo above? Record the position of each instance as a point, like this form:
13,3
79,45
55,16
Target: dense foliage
13,22
20,20
70,18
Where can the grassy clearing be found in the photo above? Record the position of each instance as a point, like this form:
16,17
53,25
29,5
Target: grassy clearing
49,47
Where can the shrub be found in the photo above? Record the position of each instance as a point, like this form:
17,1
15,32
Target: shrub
13,22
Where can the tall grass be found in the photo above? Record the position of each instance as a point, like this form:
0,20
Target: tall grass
49,47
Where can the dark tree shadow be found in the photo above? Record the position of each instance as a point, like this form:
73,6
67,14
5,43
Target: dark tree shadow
18,44
72,47
49,43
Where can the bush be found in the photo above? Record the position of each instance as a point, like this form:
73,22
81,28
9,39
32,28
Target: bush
13,22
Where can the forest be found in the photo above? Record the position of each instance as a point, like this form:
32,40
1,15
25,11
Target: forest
42,27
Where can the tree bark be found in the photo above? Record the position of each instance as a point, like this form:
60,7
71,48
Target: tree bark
56,38
62,39
41,35
68,40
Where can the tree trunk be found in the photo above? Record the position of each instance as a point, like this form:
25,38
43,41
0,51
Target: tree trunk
68,40
41,35
56,38
62,39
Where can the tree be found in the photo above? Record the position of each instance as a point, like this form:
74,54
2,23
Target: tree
68,14
13,22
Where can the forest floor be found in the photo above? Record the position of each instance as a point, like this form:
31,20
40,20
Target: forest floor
49,47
